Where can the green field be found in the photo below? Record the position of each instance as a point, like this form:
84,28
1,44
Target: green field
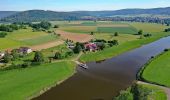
23,83
158,70
149,27
127,30
121,38
25,37
6,43
116,50
40,40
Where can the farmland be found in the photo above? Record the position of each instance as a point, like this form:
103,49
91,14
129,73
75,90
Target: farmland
25,37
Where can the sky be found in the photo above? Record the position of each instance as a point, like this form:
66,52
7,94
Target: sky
75,5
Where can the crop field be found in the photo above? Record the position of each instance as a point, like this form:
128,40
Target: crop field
40,40
121,38
158,70
99,27
25,37
149,27
80,29
127,30
23,83
23,34
6,43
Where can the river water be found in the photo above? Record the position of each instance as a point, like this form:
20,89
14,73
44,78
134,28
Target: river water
105,79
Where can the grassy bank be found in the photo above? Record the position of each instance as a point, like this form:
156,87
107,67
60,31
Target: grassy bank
23,83
116,50
157,71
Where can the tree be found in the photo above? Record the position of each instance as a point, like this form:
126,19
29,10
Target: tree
3,34
7,57
140,32
15,54
57,55
125,95
116,34
92,33
56,26
77,49
45,25
38,57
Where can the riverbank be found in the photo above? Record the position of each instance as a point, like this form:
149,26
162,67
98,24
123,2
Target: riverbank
157,70
122,48
31,82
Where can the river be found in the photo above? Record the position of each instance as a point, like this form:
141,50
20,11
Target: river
105,79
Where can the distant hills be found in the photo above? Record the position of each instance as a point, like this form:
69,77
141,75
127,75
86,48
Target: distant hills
7,13
39,15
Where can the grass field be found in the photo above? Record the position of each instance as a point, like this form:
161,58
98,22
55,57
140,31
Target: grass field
23,83
25,37
98,27
158,70
127,30
121,38
149,27
40,40
6,43
23,34
80,29
116,50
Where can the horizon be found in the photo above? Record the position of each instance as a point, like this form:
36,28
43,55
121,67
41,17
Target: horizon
84,10
81,5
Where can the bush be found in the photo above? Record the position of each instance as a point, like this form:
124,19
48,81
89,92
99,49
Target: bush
116,34
3,34
56,26
140,32
58,55
38,57
25,65
125,95
77,49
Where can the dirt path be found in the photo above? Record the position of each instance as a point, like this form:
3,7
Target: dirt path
75,36
47,45
167,90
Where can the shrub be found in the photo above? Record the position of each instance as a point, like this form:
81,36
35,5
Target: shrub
3,34
57,55
38,57
116,34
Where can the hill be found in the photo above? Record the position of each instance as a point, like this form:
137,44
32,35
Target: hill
7,13
39,15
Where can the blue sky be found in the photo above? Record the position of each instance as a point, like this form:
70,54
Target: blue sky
72,5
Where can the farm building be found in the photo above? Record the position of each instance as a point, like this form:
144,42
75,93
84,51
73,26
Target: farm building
70,45
90,46
26,50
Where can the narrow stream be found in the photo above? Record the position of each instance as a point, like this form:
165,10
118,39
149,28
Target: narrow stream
104,80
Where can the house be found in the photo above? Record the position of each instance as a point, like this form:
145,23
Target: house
25,50
70,45
90,46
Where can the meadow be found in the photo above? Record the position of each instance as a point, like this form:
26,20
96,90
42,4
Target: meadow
148,27
157,70
25,37
25,83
